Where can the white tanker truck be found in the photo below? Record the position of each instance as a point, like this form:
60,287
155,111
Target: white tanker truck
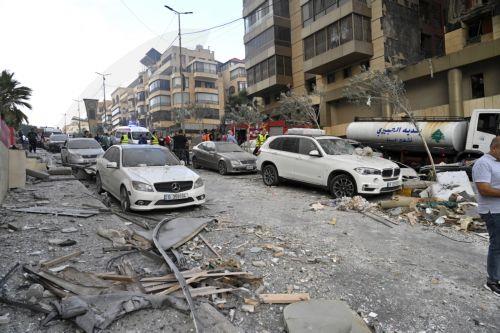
449,139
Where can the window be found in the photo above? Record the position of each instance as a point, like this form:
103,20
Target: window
263,69
309,47
347,72
112,155
203,67
346,29
280,65
271,66
176,82
319,8
310,84
280,8
367,29
161,115
207,98
265,39
277,144
159,84
358,27
477,85
291,145
257,15
282,35
333,36
242,85
320,41
148,157
140,96
306,146
181,98
159,101
307,14
489,123
204,84
258,73
238,72
330,77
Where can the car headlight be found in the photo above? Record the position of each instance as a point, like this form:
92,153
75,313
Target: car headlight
140,186
76,157
368,171
235,163
198,183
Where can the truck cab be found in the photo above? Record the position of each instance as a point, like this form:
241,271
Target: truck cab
484,125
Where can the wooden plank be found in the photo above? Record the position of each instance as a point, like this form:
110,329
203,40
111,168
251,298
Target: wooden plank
57,261
159,287
116,277
178,286
205,291
209,246
170,277
284,298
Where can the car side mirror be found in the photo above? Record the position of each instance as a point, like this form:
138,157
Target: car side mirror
314,153
112,165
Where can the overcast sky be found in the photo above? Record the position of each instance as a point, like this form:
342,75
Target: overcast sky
56,46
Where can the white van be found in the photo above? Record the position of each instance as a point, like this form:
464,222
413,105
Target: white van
134,133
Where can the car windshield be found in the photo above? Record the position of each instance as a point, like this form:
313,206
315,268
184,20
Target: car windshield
336,146
148,157
137,135
83,144
227,147
58,137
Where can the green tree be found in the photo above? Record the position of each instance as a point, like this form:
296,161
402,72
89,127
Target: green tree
13,97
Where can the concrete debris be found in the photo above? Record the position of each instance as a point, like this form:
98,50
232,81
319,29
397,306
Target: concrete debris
4,319
69,230
256,249
356,203
35,291
248,308
259,263
317,206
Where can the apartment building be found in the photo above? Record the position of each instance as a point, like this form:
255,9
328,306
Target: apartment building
446,52
155,97
104,117
234,76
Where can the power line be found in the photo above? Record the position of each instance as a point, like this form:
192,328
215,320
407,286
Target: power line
138,19
214,27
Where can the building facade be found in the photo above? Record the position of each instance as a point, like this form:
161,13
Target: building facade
446,52
234,76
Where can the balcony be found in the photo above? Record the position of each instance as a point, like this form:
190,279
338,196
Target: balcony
341,56
210,75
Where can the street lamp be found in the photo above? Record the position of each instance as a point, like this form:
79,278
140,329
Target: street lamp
180,50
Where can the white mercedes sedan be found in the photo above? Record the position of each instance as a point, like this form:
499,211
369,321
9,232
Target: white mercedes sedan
146,177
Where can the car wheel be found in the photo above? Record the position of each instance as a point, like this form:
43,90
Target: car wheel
342,186
98,183
222,168
270,175
195,163
124,200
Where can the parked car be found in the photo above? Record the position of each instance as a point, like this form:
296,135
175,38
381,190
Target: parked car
326,161
55,142
147,178
81,151
225,157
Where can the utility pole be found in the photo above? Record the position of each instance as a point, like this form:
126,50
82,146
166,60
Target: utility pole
79,118
104,98
180,53
65,128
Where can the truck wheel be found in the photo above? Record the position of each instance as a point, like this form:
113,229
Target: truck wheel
270,175
342,186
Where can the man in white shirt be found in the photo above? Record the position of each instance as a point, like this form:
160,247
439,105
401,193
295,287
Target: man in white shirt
486,175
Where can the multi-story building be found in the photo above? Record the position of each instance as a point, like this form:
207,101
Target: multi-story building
104,118
446,52
234,76
155,97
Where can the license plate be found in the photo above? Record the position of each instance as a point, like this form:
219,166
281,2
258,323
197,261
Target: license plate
175,196
250,167
393,184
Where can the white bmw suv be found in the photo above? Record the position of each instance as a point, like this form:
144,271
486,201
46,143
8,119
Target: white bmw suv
326,161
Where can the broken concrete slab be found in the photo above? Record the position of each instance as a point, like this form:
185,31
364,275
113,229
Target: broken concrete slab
58,211
323,316
213,321
176,232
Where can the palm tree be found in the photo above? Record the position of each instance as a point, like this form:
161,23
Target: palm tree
13,97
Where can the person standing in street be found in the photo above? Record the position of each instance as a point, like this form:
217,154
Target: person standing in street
230,137
205,136
178,145
124,139
261,138
154,139
486,175
105,141
143,140
32,136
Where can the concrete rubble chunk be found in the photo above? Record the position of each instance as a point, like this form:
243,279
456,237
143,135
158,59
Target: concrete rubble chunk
323,316
259,263
35,290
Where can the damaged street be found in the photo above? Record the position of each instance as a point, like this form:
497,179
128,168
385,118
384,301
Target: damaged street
246,254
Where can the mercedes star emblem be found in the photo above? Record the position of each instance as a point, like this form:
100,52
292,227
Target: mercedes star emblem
175,187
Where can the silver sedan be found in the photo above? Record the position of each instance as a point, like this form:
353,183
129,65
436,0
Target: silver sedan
225,157
81,151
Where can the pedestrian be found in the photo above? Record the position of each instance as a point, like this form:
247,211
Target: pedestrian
261,138
124,139
211,136
154,139
205,136
32,136
230,137
105,141
186,150
97,138
486,175
168,141
143,140
178,145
